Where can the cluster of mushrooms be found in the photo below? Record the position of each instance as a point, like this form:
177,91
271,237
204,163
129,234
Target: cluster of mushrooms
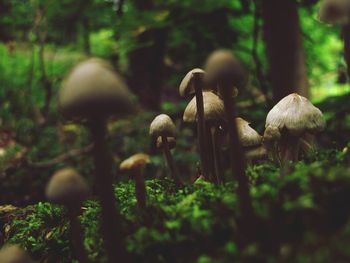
93,91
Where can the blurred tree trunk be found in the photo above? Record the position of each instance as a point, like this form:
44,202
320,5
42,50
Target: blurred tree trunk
346,38
284,48
147,63
85,23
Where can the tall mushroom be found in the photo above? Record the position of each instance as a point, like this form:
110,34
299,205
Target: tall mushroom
136,164
225,72
214,116
67,187
14,254
288,121
162,126
93,92
193,84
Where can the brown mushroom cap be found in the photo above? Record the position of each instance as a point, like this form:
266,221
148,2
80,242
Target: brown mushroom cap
162,125
67,187
222,65
171,142
271,134
186,85
136,161
296,114
14,254
93,89
335,12
213,108
246,134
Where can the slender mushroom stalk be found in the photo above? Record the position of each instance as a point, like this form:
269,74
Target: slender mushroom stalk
289,120
136,164
216,155
193,83
92,92
162,126
13,254
170,161
67,187
226,72
214,116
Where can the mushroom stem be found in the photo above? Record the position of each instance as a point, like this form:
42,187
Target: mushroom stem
237,155
140,189
170,161
290,146
216,155
77,237
111,219
202,142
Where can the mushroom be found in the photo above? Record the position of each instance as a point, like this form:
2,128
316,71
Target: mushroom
214,116
193,84
93,91
225,72
67,187
162,126
288,121
335,11
14,254
136,164
251,140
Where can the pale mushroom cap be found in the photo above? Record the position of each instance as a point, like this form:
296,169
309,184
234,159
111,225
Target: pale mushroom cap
136,161
222,65
256,153
271,133
336,12
213,108
93,89
14,254
67,187
246,134
186,85
296,114
162,125
171,142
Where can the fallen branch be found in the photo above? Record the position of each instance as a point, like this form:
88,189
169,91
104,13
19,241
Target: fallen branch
61,158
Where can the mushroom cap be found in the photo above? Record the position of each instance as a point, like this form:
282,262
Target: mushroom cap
14,254
136,161
162,125
221,66
171,142
296,114
213,108
271,134
67,187
186,85
246,134
256,153
93,90
335,12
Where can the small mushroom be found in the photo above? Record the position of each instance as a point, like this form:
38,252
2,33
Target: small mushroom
136,164
14,254
92,92
251,140
288,121
225,72
214,116
162,126
335,12
67,187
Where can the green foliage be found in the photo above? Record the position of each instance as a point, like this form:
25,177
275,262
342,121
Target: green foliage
199,223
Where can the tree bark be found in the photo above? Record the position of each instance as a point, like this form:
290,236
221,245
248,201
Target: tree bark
147,63
284,48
